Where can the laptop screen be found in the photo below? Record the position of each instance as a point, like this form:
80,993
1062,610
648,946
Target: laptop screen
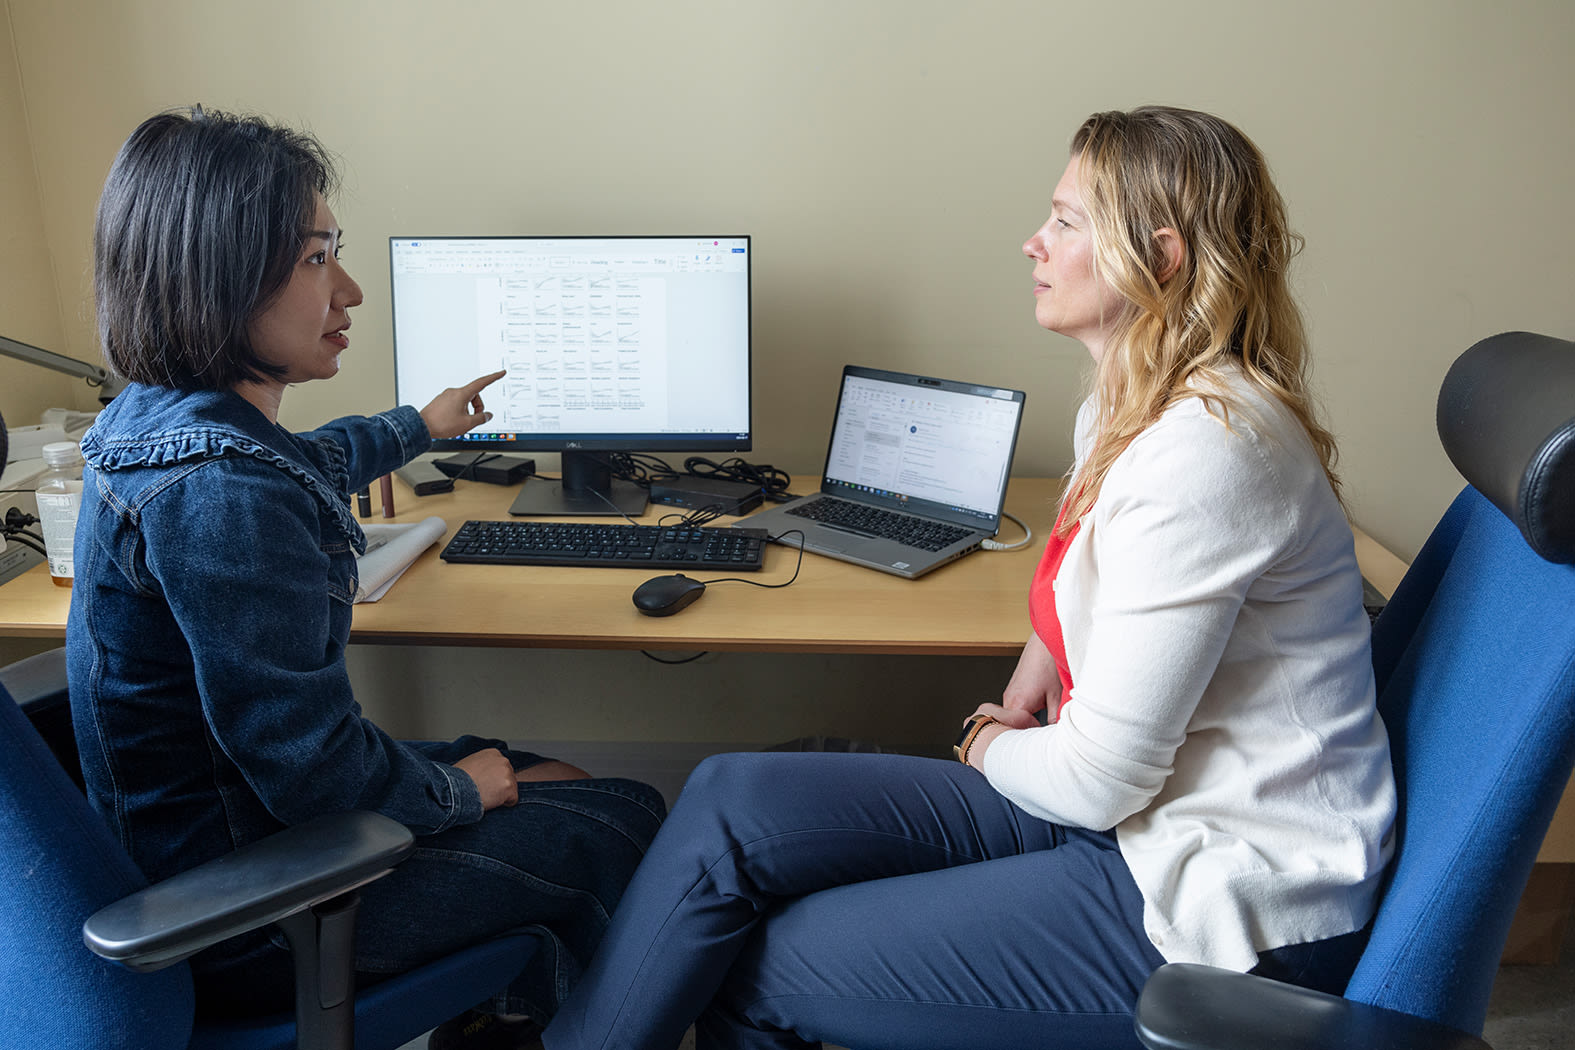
929,444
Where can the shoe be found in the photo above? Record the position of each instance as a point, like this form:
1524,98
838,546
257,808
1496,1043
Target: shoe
474,1030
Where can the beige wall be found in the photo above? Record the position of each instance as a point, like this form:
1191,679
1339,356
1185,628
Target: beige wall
29,305
673,117
889,159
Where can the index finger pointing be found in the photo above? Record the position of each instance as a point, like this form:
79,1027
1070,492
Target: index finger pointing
476,386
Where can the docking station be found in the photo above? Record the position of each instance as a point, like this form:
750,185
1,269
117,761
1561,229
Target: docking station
695,493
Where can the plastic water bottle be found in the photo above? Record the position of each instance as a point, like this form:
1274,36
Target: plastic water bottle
59,495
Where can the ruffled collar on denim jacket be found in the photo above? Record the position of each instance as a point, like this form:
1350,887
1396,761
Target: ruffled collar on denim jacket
148,426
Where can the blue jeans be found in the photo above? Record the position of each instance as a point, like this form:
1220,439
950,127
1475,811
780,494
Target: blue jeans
554,865
866,900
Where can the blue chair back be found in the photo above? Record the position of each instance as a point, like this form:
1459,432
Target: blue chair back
58,865
1475,663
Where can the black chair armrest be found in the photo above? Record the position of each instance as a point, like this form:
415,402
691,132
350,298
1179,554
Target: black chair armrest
1190,1007
38,680
258,884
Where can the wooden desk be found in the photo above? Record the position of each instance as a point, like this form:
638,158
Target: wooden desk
973,607
977,606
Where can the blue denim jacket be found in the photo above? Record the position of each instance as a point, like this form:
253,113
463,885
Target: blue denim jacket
215,572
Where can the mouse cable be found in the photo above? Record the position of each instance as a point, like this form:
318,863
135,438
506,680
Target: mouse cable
673,663
997,545
740,579
757,583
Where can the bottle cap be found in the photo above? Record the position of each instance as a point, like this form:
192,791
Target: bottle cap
62,454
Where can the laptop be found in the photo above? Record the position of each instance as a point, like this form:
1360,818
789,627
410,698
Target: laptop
915,476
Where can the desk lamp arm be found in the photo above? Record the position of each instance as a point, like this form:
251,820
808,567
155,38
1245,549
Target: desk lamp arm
109,384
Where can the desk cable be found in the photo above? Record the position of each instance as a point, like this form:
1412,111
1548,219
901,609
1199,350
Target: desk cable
771,586
739,579
997,545
643,470
468,471
16,529
693,519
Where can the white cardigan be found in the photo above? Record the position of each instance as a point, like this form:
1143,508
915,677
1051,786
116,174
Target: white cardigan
1222,716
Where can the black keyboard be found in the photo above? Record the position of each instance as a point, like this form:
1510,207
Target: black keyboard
607,545
882,524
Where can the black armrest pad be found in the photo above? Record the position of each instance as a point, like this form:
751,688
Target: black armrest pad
37,680
1506,418
256,885
1188,1007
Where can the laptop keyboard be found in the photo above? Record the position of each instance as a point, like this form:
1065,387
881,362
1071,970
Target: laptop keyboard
881,524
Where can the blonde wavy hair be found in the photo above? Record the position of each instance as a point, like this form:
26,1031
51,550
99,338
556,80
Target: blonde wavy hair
1227,304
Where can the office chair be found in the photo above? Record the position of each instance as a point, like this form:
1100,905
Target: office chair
61,870
64,879
1475,661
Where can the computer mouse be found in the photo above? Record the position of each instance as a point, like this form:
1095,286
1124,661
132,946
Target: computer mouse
665,595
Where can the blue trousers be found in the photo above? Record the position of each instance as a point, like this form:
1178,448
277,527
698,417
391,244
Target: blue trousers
553,865
868,901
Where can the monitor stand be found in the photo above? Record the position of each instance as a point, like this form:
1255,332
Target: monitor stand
588,488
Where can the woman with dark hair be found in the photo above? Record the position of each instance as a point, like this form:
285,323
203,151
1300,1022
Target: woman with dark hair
1187,764
215,572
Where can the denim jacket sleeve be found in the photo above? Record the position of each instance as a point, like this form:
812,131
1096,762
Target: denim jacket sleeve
376,445
265,610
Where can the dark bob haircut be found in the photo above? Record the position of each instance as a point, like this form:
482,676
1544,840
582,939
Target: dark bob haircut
199,228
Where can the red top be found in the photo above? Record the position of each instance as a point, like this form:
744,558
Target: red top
1041,604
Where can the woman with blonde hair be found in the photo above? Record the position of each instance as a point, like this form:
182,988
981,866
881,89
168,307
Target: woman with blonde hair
1187,764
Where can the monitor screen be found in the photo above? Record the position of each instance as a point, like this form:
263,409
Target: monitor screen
610,344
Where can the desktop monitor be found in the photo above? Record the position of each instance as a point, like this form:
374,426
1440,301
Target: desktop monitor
610,344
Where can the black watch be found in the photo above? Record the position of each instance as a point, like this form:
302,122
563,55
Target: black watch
970,731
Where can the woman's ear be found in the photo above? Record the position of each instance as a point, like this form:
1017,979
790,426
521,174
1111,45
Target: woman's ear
1172,252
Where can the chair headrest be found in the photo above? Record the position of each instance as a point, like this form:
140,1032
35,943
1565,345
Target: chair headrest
1506,417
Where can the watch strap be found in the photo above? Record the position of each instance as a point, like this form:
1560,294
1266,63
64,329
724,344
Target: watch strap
970,732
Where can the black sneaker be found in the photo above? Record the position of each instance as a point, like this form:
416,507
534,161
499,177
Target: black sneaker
474,1030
